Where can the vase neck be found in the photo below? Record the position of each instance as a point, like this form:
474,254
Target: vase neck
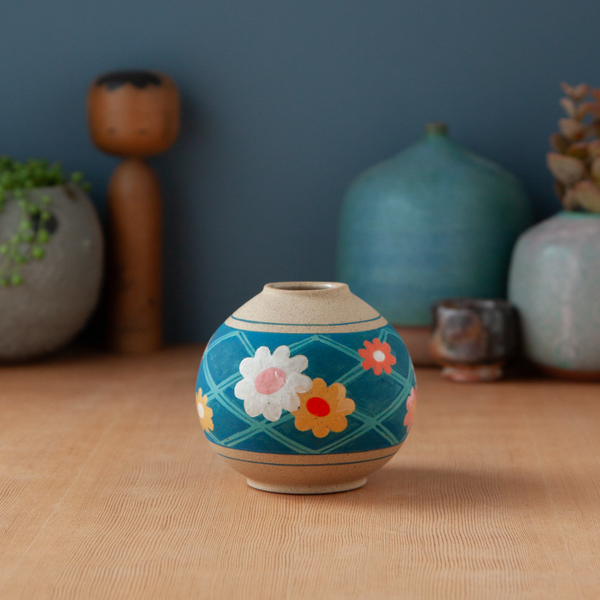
306,307
570,214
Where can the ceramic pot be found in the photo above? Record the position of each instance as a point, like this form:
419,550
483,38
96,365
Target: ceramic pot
473,338
555,284
435,221
60,291
306,389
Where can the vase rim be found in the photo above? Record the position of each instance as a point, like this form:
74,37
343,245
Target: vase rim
464,303
305,286
571,214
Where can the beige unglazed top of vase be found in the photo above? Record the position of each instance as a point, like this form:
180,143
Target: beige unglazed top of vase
306,307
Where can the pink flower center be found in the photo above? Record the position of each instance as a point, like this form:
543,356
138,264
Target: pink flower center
318,407
270,381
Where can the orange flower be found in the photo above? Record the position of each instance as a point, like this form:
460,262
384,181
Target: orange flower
205,412
377,355
411,403
323,409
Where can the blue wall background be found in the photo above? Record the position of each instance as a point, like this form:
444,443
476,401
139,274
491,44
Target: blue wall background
284,103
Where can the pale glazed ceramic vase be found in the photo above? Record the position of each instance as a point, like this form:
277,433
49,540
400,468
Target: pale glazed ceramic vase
306,389
555,284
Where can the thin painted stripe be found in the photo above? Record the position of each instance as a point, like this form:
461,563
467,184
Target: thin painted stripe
256,462
308,324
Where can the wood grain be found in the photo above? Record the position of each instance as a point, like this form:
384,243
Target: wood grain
108,489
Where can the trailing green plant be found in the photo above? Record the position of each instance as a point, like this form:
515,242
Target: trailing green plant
34,231
575,162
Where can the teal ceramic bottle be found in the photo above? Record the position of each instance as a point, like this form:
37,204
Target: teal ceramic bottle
435,221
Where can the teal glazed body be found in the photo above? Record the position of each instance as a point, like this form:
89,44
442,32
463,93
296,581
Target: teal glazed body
436,221
555,284
346,404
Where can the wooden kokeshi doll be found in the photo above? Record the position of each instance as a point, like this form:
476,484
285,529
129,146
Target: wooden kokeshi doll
134,114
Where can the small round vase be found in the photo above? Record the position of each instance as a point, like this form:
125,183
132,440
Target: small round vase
555,284
306,389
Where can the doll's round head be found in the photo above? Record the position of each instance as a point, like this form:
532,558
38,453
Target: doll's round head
133,113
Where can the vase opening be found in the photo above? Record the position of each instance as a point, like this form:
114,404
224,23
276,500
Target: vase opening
436,129
305,286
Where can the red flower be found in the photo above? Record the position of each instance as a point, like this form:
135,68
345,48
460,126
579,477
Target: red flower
377,355
411,403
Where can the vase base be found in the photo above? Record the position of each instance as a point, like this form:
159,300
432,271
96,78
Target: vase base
306,473
473,374
307,489
568,374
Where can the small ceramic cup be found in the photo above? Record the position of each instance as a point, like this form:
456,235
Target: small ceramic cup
473,338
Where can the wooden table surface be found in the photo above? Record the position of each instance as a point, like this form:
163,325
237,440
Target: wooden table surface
108,489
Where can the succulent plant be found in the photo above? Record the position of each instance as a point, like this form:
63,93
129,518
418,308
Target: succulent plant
17,180
575,162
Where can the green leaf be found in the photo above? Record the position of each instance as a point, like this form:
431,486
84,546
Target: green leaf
18,178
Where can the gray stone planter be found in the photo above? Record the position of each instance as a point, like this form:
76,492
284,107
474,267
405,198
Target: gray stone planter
61,290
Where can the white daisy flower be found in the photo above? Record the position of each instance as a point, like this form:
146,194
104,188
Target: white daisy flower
272,383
